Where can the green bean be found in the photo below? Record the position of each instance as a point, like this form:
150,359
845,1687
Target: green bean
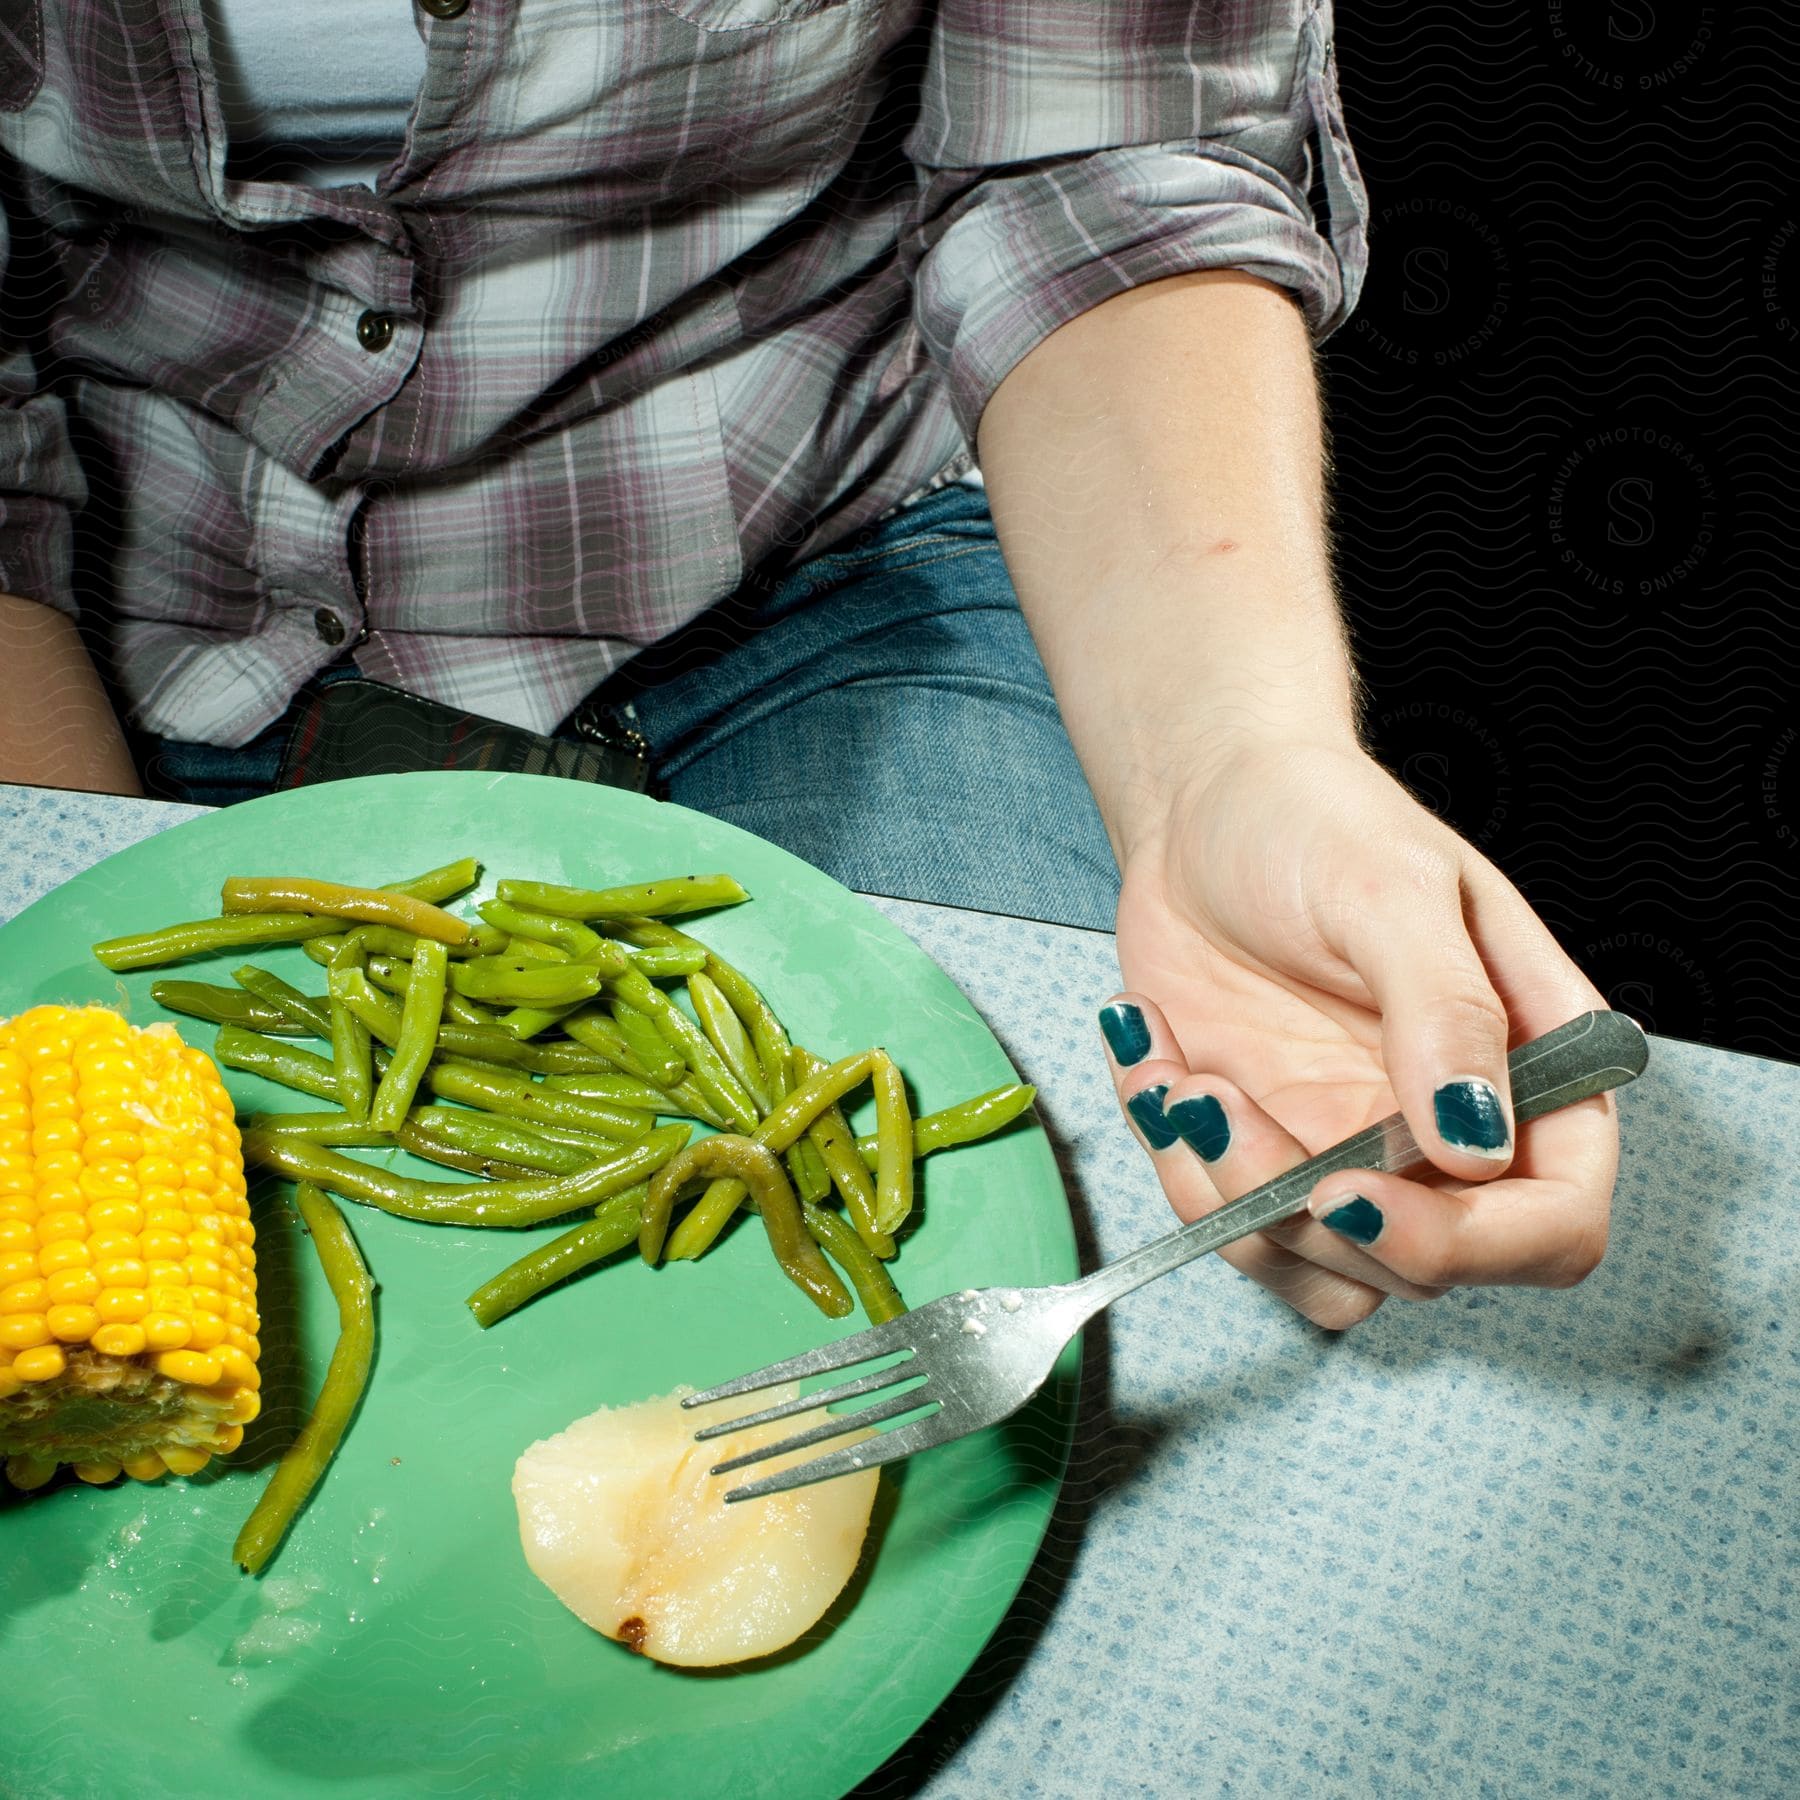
223,1006
766,1031
587,1142
874,1286
505,1204
422,1011
806,1168
395,948
203,937
964,1123
491,1168
518,1097
311,1014
306,1459
528,1021
894,1146
812,1179
351,1060
705,1219
519,981
237,931
711,1076
657,1061
831,1136
336,1129
339,900
437,885
652,899
351,1049
613,1227
725,1032
350,988
621,1090
660,964
798,1110
549,928
391,974
761,1172
287,1064
533,951
483,1140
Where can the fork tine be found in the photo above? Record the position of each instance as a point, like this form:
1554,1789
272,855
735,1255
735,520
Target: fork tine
878,1340
889,1447
835,1426
801,1403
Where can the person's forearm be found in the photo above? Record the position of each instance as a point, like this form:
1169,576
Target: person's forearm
56,727
1154,469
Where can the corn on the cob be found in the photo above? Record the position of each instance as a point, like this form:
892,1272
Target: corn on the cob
127,1269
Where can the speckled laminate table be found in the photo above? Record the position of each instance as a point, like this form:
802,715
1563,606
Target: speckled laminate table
1510,1544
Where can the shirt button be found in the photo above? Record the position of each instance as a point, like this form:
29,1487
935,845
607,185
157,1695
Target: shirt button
445,9
328,625
375,330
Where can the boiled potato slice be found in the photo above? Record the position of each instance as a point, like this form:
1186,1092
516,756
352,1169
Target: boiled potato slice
621,1520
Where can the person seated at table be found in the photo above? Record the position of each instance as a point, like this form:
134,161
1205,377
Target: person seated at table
633,359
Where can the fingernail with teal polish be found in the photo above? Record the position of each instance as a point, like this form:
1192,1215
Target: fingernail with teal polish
1146,1107
1470,1116
1126,1034
1357,1219
1201,1124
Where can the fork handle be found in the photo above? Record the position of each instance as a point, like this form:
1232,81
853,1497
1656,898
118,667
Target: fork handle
1587,1056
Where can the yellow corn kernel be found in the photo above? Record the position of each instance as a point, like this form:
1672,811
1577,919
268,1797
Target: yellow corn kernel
167,1331
72,1287
10,1383
237,1367
69,1253
121,1340
43,1364
183,1459
72,1324
146,1467
24,1297
190,1368
121,1305
97,1472
209,1332
24,1331
226,1439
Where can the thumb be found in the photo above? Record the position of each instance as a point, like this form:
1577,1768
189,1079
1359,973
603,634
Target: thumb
1443,1027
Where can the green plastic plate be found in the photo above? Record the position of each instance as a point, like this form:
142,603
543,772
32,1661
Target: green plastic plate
398,1645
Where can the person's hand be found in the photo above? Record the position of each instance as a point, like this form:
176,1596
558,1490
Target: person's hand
1306,949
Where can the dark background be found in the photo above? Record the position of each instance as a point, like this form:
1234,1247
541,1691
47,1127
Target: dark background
1562,423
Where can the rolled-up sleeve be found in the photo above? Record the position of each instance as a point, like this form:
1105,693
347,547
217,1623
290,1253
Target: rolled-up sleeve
40,479
1069,151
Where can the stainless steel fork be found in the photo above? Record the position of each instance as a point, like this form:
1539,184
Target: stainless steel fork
976,1357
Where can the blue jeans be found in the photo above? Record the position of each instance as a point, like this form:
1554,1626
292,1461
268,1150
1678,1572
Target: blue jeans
879,710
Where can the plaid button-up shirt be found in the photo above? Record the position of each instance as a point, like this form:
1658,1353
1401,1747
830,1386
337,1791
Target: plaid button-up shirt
655,291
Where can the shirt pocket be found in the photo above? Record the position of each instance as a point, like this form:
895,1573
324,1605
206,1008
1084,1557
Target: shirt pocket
21,53
1346,198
